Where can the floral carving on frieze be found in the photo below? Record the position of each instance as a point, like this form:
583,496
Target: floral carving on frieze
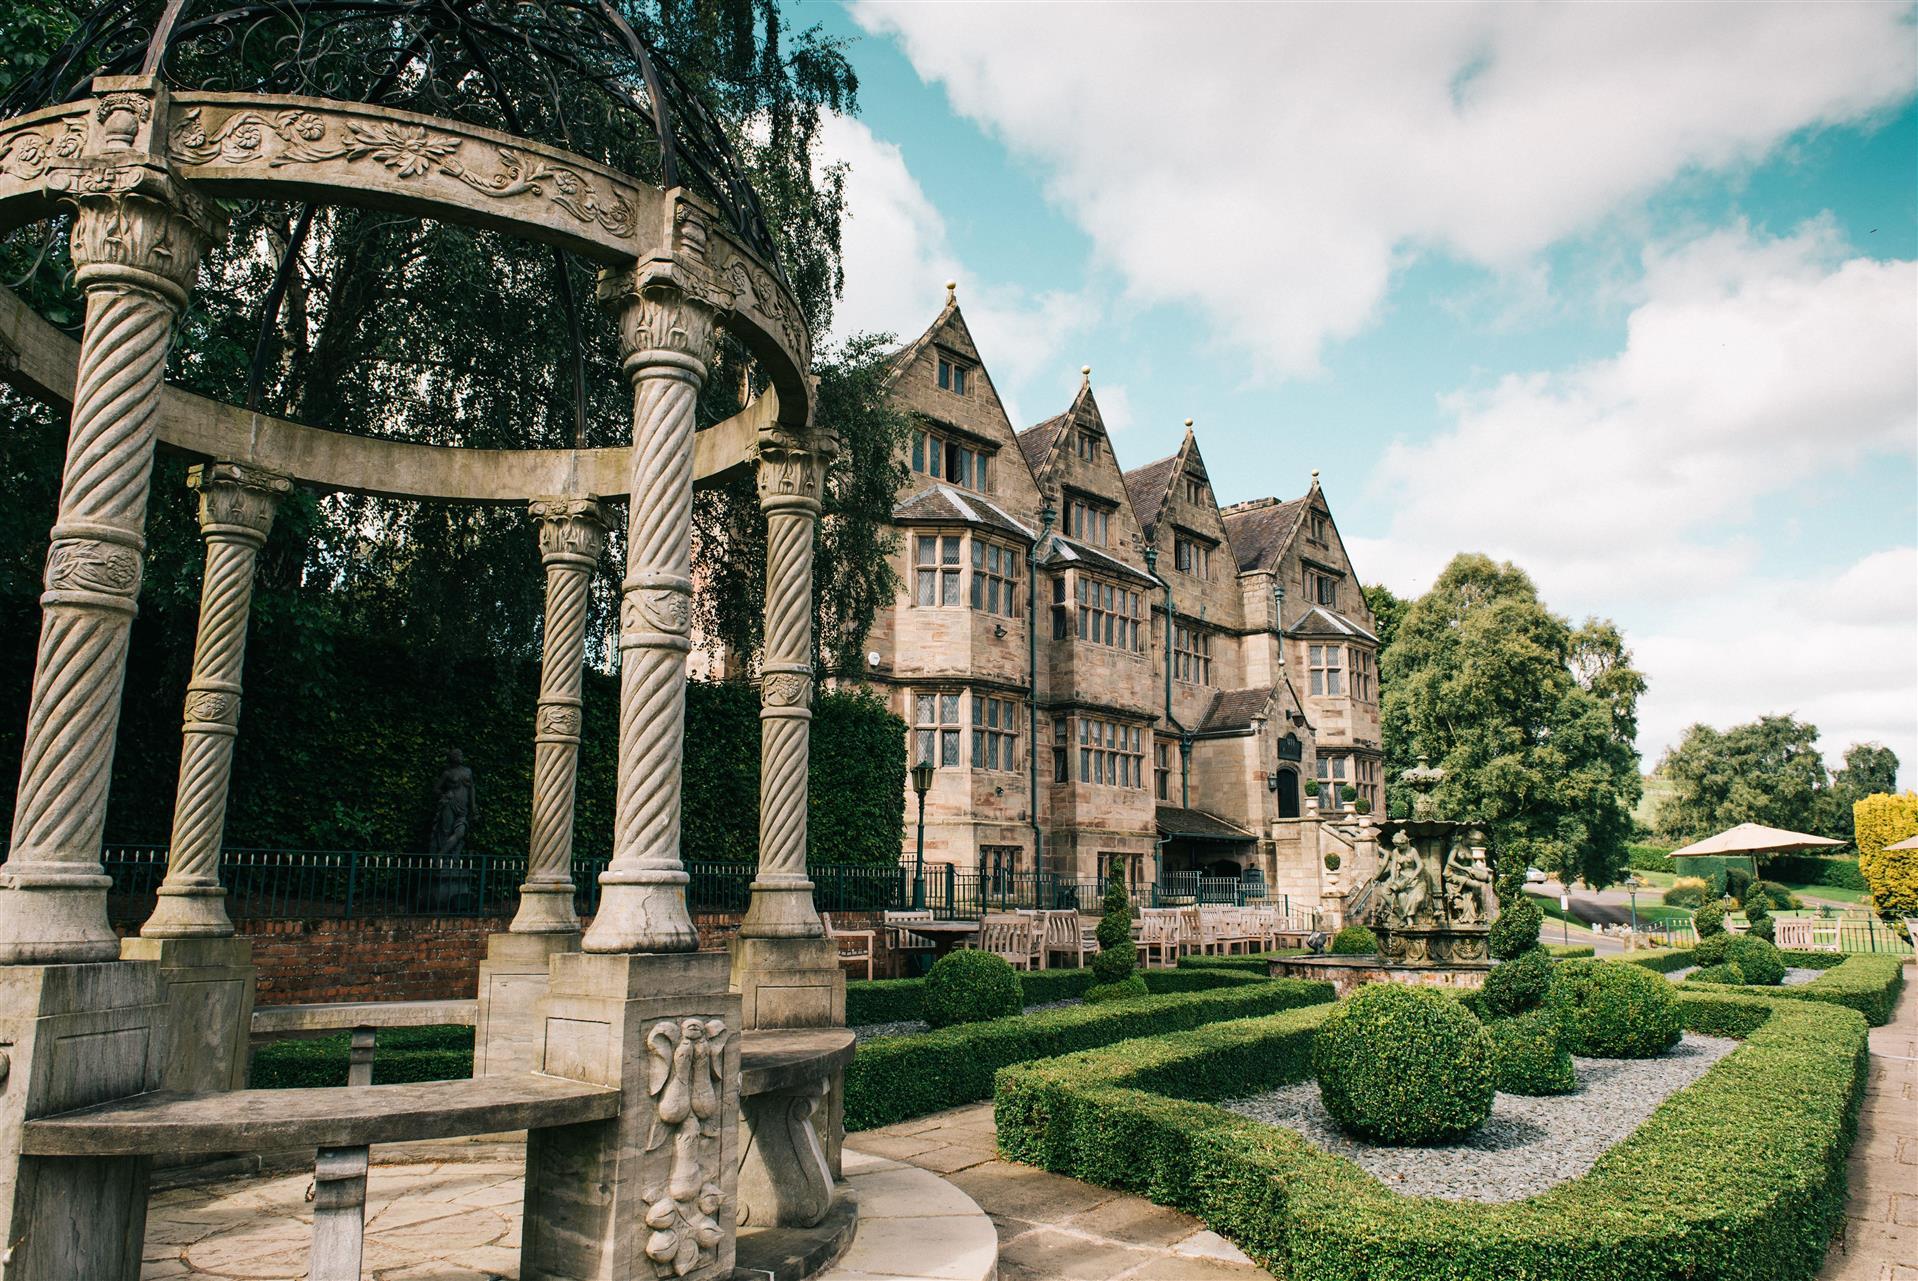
787,689
84,566
408,151
212,705
561,718
685,1075
30,153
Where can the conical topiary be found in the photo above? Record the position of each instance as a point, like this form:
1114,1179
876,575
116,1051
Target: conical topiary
1115,969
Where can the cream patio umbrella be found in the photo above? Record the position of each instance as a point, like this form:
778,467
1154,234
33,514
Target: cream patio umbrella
1755,838
1909,843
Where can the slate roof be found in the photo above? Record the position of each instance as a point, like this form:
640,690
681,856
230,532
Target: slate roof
1197,825
1320,621
944,505
1259,530
1235,708
1062,549
1147,487
1036,442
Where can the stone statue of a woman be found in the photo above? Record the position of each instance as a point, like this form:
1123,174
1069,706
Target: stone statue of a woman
457,797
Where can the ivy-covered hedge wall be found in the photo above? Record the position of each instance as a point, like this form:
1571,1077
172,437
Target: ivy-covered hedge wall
342,739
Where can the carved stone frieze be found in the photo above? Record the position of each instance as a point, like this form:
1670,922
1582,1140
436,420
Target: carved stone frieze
560,718
685,1075
786,689
29,153
92,565
407,151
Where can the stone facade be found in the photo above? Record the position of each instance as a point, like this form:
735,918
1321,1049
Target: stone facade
1160,716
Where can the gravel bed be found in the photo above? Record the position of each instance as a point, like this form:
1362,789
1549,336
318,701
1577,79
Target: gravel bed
1526,1145
1794,975
911,1027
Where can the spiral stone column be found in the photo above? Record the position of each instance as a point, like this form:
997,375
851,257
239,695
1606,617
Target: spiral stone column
136,250
666,338
790,479
572,533
237,505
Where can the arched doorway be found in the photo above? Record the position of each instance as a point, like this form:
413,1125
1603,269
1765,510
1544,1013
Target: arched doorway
1288,793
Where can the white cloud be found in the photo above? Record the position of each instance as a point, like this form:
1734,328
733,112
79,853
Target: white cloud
1753,369
1274,164
898,258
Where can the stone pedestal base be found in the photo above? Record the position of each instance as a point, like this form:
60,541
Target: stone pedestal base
782,908
207,985
512,982
654,1191
789,982
75,1035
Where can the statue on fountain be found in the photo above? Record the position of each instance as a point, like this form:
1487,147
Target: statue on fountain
1437,902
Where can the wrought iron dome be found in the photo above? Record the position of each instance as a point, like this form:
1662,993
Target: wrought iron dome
571,73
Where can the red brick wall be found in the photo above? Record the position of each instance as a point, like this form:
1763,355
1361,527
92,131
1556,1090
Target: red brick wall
411,958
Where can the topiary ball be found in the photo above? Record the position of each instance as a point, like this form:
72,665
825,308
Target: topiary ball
1727,972
970,987
1760,961
1124,990
1400,1064
1355,940
1709,920
1530,1058
1520,984
1515,932
1713,949
1614,1009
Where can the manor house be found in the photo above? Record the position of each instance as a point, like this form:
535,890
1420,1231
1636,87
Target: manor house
1194,669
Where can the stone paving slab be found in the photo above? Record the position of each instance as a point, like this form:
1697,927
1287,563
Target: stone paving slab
1880,1237
1052,1228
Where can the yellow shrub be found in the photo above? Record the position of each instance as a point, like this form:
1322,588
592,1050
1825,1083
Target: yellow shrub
1879,821
1692,883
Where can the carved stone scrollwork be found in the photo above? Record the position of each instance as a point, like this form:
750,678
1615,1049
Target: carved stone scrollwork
685,1076
784,1178
94,567
787,689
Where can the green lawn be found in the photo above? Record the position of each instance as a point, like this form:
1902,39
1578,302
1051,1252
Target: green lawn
1829,893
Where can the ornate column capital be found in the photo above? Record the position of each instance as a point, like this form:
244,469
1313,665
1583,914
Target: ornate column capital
237,502
135,222
792,469
572,531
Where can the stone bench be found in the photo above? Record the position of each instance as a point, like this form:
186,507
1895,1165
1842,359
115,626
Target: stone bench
340,1123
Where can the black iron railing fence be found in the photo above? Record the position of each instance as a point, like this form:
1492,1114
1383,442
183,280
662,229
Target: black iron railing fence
335,884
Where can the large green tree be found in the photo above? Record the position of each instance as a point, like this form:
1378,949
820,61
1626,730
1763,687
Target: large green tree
1767,771
1532,719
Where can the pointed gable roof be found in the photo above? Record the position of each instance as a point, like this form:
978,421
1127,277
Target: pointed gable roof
1036,442
1261,529
1148,486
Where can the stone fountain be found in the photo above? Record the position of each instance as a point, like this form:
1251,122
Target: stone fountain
1432,904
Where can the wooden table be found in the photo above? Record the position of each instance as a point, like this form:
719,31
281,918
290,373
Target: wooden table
943,935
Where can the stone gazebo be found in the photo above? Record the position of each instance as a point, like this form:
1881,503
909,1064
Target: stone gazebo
623,1049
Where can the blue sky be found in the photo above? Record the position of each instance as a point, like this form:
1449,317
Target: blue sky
1625,294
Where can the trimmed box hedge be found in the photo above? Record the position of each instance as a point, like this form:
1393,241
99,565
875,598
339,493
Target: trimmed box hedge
1571,951
895,1078
1868,984
1738,1177
1252,963
401,1055
1661,960
902,1000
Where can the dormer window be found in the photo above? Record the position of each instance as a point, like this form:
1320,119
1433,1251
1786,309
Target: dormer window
1088,523
1192,556
1088,443
948,460
953,376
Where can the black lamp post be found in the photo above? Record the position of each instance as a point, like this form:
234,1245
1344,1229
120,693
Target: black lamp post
921,784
